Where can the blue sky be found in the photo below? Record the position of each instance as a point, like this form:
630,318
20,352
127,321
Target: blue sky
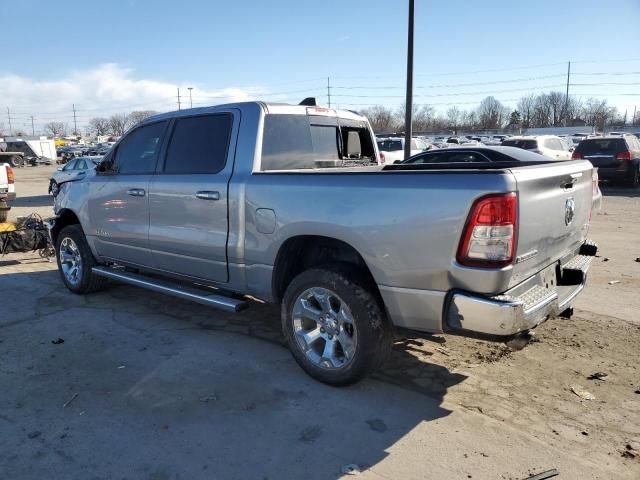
127,54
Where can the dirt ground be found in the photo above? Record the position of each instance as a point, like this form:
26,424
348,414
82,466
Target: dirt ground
512,413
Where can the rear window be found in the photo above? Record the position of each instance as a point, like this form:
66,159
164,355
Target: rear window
601,146
390,145
292,142
524,144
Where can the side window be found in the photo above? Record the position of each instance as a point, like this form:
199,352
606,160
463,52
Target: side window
199,144
70,165
81,165
465,157
138,152
429,158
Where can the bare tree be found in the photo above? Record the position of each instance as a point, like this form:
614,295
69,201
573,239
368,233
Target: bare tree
492,114
2,133
381,118
139,115
453,115
526,107
423,118
55,129
118,123
100,125
597,112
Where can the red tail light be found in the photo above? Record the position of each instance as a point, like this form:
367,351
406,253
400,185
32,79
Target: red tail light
623,156
489,236
10,176
382,157
577,155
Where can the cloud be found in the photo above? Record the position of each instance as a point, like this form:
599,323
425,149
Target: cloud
102,91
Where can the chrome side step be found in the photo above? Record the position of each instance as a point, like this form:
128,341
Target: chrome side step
180,291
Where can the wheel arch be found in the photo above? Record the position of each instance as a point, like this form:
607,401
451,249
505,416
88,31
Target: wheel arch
302,252
64,218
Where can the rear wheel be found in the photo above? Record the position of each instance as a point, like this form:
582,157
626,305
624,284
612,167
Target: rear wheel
634,181
334,325
15,161
75,261
4,211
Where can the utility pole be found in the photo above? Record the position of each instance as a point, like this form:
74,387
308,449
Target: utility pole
75,124
633,122
408,128
190,98
33,129
9,118
329,91
178,98
566,97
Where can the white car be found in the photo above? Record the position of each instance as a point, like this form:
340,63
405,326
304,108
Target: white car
392,149
550,146
72,169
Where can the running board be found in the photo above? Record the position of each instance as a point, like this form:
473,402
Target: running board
180,291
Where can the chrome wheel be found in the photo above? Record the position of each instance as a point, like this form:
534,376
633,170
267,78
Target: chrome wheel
70,261
324,328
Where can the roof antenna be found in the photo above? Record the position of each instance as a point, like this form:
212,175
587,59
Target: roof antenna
309,102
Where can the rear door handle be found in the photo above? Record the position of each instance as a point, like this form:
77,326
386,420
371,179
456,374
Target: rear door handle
208,195
136,192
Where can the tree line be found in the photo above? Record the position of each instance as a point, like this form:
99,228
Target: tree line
552,109
115,125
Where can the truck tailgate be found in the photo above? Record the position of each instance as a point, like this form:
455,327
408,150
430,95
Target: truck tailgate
555,202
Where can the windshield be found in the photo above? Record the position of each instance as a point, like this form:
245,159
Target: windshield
601,146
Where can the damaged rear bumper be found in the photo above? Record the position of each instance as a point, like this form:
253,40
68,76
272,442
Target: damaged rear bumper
525,306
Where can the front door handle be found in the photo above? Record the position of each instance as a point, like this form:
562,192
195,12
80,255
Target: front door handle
136,192
208,195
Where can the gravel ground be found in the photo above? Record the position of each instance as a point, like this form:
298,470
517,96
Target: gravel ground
167,389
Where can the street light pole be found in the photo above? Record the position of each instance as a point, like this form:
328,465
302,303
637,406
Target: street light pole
408,130
190,99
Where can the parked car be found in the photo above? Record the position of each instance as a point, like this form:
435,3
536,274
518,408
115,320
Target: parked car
71,170
550,146
203,206
392,148
7,190
617,158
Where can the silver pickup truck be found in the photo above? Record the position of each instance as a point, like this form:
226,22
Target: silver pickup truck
290,204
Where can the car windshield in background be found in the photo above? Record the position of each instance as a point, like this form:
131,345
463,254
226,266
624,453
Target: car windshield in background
601,146
390,145
524,144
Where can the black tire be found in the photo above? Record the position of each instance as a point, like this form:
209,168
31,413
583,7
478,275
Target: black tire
87,281
4,213
54,188
15,161
634,181
374,333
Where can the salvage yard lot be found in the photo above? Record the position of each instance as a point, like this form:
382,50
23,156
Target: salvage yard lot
147,386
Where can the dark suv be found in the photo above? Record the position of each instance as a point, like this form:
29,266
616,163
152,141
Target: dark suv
617,158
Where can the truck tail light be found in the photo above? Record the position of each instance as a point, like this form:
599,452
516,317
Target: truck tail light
623,155
489,236
576,155
382,157
10,176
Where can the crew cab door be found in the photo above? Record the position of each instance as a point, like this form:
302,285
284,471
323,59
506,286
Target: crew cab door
118,198
188,198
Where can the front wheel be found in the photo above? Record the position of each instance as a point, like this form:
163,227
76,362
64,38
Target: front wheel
75,261
54,188
334,325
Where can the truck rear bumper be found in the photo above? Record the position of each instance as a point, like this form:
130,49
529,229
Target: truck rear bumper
527,305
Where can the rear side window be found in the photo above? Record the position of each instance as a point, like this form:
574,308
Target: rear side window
138,152
553,144
607,146
199,144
